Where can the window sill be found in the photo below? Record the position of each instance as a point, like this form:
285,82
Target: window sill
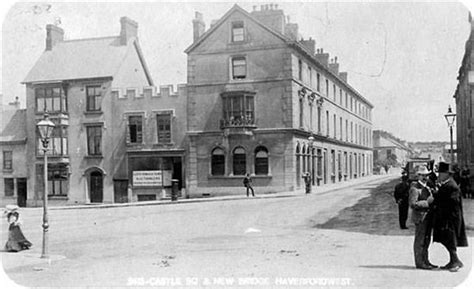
58,197
94,157
7,171
168,144
98,112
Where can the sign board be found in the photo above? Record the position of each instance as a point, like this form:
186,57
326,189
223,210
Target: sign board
147,178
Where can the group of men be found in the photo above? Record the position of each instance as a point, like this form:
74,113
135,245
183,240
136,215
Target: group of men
436,209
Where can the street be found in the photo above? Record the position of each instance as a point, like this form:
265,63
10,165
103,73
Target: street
250,242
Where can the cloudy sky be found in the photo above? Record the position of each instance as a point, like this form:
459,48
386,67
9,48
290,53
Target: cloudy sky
402,56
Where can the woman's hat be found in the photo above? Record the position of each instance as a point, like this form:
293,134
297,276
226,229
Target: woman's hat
10,209
422,170
444,168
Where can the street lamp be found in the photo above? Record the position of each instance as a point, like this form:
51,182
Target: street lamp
45,128
450,118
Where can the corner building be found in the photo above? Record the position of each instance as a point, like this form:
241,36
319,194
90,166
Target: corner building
262,100
116,138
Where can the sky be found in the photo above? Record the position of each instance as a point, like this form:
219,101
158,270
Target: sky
403,57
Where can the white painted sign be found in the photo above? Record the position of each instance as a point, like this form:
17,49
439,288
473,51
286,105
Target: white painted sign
147,179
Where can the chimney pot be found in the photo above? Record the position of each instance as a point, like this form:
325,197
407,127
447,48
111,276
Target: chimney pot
271,6
254,7
262,7
276,6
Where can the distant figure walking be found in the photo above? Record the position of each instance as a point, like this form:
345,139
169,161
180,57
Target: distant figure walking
16,240
307,182
401,197
248,184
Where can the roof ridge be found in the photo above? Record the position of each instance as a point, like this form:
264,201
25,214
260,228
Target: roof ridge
91,38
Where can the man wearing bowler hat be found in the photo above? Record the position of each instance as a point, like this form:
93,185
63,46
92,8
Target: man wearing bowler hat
420,200
449,227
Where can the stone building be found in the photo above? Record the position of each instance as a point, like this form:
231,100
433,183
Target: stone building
116,138
13,174
464,97
262,100
387,145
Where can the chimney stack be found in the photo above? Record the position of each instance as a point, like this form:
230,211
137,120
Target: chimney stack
54,34
343,76
310,44
16,103
128,30
291,31
322,57
198,26
334,66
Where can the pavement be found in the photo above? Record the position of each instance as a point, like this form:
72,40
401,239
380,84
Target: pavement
316,190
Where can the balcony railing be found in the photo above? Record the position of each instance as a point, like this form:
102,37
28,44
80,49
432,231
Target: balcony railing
238,122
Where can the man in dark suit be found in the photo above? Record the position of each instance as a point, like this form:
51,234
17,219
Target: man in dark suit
420,200
449,227
401,197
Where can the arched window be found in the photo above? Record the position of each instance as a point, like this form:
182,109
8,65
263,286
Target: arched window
218,162
239,161
261,161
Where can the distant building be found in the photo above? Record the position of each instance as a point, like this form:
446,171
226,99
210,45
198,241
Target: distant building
14,172
116,138
387,146
257,94
464,96
432,150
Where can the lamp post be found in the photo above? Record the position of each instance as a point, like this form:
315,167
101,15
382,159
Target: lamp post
45,128
450,117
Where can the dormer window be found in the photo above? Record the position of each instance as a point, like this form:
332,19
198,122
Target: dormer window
239,67
237,31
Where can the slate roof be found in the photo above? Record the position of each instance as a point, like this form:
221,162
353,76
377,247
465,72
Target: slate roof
13,126
82,59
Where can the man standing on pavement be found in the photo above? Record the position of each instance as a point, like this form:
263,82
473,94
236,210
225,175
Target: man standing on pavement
401,197
420,199
449,227
248,184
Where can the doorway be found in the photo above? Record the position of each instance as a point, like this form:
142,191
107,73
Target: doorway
21,192
96,187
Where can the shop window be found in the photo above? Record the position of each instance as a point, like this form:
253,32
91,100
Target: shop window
218,162
261,161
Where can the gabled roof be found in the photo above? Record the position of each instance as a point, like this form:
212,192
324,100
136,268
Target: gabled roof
224,18
82,59
13,126
295,44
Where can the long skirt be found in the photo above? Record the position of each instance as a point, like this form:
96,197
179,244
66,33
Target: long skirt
16,240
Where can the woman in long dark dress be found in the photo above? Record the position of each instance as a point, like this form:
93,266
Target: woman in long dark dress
16,240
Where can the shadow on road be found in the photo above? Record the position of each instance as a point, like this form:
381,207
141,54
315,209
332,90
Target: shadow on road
377,214
395,267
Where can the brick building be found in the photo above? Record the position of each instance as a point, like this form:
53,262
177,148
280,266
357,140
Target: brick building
262,100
